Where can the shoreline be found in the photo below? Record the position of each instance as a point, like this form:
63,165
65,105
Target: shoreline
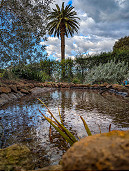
11,90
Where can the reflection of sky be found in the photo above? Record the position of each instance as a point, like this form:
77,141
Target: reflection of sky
23,120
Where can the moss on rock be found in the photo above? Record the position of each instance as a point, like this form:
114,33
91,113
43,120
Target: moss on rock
15,157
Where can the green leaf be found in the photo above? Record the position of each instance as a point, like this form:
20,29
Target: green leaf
86,126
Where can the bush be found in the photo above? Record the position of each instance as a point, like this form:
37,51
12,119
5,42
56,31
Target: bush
8,74
42,76
76,81
109,72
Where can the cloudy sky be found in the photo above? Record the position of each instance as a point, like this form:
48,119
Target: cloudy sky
102,23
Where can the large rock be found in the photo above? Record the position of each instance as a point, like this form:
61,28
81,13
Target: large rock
6,98
5,90
108,151
24,91
13,88
15,157
51,168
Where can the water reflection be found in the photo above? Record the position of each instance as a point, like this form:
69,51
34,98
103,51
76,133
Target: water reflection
24,124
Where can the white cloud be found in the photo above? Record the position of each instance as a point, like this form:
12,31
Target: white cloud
79,44
102,23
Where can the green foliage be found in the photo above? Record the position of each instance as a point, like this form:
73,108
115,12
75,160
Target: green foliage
48,66
43,76
110,72
63,20
8,74
31,72
81,64
79,70
22,25
121,44
1,74
76,81
31,14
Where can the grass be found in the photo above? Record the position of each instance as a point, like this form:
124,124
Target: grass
64,132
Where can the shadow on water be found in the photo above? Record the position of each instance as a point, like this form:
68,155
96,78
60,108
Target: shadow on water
24,124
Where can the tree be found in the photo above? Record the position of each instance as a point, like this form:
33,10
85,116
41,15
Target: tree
31,13
63,23
121,44
22,26
81,62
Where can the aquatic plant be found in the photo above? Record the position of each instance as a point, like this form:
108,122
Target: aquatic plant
64,132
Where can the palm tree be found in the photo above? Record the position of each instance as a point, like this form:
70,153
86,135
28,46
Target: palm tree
63,23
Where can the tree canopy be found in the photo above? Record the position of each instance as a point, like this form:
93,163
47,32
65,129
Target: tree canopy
23,23
121,44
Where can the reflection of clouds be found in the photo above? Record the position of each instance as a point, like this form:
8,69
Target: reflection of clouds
23,120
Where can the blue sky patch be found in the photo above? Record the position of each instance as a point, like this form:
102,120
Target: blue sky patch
70,2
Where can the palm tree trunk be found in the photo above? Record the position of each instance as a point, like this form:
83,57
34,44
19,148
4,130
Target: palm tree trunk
62,55
62,46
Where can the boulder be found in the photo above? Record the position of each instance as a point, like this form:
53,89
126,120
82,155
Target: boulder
15,157
20,86
13,88
4,98
30,85
108,151
5,90
51,168
24,91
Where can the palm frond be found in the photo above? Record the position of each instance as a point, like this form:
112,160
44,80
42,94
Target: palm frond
65,16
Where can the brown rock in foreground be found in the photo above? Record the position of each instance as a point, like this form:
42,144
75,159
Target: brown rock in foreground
51,168
108,151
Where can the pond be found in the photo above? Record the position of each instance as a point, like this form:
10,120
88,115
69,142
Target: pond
24,124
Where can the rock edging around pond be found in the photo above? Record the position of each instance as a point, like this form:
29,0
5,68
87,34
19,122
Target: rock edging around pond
100,152
13,90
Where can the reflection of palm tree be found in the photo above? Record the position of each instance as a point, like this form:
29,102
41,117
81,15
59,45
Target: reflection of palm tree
63,103
66,101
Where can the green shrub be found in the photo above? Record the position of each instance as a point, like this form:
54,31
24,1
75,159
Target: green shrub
76,81
109,72
42,76
1,75
8,74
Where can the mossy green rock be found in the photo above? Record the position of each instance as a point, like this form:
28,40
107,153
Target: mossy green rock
15,157
107,151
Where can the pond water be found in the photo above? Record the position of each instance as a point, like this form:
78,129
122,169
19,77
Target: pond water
24,124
